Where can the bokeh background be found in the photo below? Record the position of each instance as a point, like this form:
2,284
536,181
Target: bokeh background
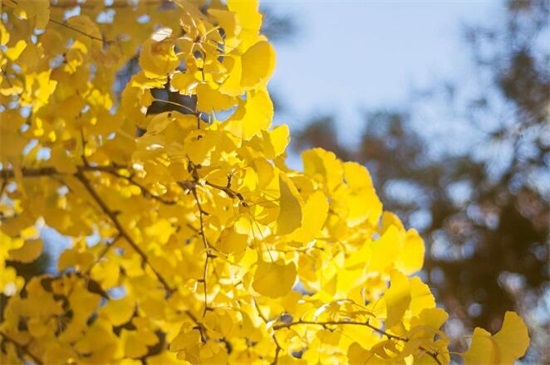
447,104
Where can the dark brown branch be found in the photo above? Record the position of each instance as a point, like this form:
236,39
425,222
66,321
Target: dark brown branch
52,171
63,24
200,326
230,192
146,192
111,169
206,247
112,216
277,350
188,109
103,253
22,348
324,324
337,323
115,5
4,184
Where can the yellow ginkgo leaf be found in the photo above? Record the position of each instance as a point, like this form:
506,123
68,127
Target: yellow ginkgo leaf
252,116
505,347
4,36
136,343
233,242
231,27
61,161
390,219
258,63
159,122
422,297
433,318
273,143
385,250
160,231
187,337
184,82
323,166
119,311
232,84
411,256
290,213
513,337
279,138
249,19
274,279
37,9
210,100
88,30
86,301
315,214
397,298
74,258
14,52
29,252
158,58
357,354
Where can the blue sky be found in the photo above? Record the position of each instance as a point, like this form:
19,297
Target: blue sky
350,55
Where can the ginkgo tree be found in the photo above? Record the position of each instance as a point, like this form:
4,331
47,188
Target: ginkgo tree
191,239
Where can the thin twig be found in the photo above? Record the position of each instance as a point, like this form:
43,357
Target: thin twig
206,247
4,184
23,348
191,111
111,169
262,316
336,323
112,216
102,253
114,5
324,324
200,326
51,171
63,24
227,190
147,193
277,350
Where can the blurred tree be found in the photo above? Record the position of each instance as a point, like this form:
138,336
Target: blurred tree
484,211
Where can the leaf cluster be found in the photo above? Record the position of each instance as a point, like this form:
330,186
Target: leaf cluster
191,240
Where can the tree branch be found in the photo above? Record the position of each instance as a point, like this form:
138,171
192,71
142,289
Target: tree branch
432,354
52,171
146,192
122,232
22,348
63,24
200,326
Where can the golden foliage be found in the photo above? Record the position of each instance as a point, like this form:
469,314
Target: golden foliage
192,242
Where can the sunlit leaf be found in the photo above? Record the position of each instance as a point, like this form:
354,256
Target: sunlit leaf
397,298
274,279
504,347
290,207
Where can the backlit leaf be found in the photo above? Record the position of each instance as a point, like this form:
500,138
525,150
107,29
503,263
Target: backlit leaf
290,207
505,347
258,63
397,298
274,279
